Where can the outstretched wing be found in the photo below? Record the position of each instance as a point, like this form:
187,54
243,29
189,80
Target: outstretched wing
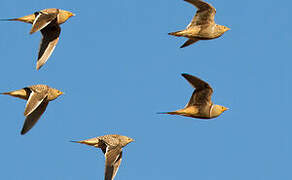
204,15
113,158
48,43
189,42
34,100
32,118
42,20
203,91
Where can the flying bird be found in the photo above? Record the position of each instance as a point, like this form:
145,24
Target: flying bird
202,26
47,21
38,97
111,146
200,105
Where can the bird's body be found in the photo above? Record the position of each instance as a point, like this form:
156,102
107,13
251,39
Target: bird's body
200,104
206,112
203,26
61,15
111,146
202,32
38,97
47,21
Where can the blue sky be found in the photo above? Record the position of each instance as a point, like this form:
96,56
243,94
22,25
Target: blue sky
118,67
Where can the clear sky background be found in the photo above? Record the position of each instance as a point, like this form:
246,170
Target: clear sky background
118,67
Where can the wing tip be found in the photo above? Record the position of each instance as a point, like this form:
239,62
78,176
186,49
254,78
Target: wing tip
173,112
38,66
24,131
26,113
185,74
183,46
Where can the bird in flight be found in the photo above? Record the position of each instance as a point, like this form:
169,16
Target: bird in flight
202,26
111,146
48,22
38,97
200,105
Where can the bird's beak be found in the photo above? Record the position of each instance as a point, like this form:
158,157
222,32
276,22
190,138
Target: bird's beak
72,14
62,92
225,109
227,29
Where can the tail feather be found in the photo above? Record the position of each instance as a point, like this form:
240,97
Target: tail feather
90,142
14,19
173,113
5,93
177,33
80,142
27,19
21,93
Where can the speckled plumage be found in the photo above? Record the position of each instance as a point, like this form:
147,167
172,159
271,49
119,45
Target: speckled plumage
47,21
202,26
111,146
38,97
200,104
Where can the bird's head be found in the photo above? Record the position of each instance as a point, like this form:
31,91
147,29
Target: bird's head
59,92
221,29
64,15
54,93
125,140
216,110
224,28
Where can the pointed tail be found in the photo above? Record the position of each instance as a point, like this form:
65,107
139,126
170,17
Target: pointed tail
27,19
21,93
173,113
90,142
80,142
5,93
177,33
8,19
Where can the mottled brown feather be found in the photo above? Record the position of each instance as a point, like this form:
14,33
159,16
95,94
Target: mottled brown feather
34,100
31,119
112,162
189,42
48,43
111,146
203,91
42,20
204,15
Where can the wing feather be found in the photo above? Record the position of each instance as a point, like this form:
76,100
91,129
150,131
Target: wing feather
203,91
42,20
34,100
113,158
32,118
204,15
48,43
